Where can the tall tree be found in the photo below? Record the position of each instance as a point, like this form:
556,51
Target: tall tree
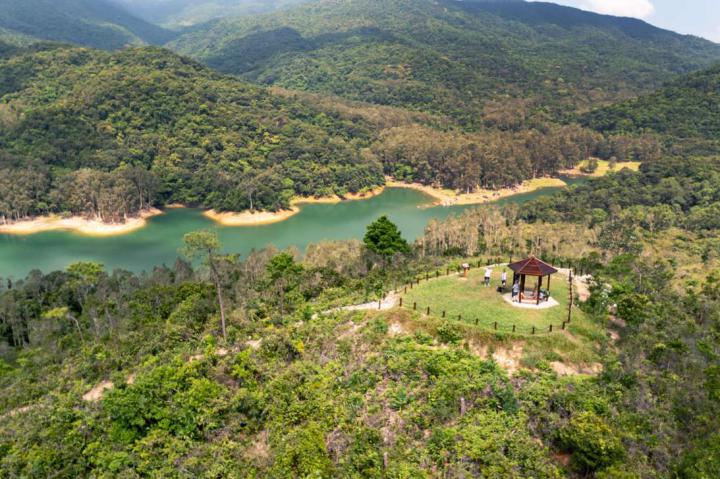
283,273
205,245
384,238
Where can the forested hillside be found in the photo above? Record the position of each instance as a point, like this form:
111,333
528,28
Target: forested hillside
106,135
686,111
109,374
179,13
103,134
95,23
449,57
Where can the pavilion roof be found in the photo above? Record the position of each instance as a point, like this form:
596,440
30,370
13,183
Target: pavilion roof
532,266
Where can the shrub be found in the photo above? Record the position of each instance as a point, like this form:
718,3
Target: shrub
592,441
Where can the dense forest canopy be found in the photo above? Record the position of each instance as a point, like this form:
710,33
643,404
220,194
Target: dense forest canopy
473,94
145,126
94,23
449,57
182,13
107,134
686,111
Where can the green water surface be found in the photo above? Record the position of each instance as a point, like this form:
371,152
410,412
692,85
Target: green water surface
159,241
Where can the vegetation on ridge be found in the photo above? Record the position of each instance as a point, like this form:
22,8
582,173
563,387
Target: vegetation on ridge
449,57
107,134
113,374
92,23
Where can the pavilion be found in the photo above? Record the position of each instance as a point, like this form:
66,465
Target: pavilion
532,266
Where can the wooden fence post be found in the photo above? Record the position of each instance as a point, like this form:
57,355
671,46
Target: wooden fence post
379,304
533,330
443,315
570,299
513,328
476,321
495,325
459,317
414,306
428,310
401,301
550,329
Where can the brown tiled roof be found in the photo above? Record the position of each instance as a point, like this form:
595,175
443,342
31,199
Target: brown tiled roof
532,267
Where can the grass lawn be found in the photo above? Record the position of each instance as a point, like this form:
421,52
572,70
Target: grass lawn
579,343
470,299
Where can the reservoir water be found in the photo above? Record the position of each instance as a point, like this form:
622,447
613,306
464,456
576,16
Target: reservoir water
159,241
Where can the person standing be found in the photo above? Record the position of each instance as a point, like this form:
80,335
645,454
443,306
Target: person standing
516,291
488,273
503,279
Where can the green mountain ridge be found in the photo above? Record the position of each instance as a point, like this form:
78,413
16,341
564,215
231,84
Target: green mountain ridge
449,57
93,23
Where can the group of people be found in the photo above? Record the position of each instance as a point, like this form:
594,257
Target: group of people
515,290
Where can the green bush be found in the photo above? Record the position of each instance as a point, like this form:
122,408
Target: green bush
593,443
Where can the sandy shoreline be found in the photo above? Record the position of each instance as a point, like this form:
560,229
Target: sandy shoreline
250,218
78,224
446,197
331,200
255,218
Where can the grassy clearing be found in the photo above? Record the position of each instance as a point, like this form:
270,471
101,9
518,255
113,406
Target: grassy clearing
603,168
470,299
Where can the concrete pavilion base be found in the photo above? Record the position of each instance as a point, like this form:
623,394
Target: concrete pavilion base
527,304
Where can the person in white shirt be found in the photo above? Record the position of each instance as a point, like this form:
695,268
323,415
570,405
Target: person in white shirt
503,279
488,273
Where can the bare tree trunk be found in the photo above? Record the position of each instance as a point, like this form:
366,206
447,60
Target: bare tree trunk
77,326
218,288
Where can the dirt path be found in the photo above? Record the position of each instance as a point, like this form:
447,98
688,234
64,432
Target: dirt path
581,284
388,303
19,410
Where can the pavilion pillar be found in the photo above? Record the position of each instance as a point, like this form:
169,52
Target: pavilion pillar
537,293
522,287
549,285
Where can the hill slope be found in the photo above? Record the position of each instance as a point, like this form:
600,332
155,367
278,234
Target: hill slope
175,13
78,117
94,23
688,108
448,56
